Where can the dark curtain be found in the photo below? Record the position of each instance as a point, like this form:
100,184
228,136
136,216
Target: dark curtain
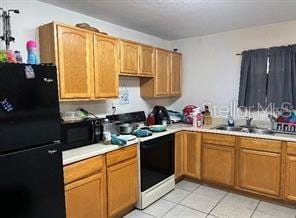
282,75
253,79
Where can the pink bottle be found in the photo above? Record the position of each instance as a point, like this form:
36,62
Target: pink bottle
197,118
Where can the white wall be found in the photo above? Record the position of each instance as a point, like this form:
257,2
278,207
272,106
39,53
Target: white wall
211,68
34,13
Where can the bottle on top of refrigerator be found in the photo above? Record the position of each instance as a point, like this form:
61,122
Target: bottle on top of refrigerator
197,118
230,120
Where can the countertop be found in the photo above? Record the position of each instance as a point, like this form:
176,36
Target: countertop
74,155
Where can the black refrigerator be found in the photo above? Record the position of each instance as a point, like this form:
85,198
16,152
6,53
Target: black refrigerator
31,169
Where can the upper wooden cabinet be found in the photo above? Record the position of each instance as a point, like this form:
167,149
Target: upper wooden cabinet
87,62
129,58
162,80
167,80
176,68
106,66
75,63
147,60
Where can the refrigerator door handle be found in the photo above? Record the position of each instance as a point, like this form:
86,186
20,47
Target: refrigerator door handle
52,151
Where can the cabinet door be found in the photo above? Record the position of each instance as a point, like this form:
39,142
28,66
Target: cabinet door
122,187
218,164
192,157
106,66
129,56
260,171
162,73
179,154
147,60
176,60
75,54
86,197
290,187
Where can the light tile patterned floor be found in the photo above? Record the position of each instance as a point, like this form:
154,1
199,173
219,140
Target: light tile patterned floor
191,200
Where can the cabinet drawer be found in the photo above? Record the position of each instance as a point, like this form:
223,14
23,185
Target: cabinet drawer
82,169
121,155
218,139
291,148
261,145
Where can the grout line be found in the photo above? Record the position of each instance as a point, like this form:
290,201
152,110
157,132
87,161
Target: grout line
218,203
255,208
169,210
193,209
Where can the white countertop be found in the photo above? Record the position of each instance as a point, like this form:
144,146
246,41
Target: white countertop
74,155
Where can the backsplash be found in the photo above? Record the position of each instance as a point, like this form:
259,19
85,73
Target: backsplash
136,102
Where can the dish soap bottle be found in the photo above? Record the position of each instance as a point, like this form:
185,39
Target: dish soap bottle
230,120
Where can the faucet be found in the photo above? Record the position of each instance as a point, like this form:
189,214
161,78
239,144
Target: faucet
248,121
273,120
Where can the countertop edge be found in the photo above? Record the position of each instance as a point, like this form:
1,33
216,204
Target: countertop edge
85,152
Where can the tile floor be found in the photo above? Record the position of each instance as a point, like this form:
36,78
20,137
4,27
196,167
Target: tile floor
194,200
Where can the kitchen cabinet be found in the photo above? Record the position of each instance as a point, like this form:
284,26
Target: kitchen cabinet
162,83
147,60
85,188
192,154
87,62
129,58
122,174
187,154
176,68
75,61
179,154
106,66
260,169
167,80
218,159
290,174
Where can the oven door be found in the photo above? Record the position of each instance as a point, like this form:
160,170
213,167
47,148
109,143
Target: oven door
77,134
157,160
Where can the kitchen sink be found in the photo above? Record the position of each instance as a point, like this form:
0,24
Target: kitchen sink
261,131
229,128
245,129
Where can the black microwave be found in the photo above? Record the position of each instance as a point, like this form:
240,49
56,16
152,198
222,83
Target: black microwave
80,133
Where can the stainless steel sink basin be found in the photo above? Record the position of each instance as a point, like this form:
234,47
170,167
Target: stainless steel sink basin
245,129
261,131
229,128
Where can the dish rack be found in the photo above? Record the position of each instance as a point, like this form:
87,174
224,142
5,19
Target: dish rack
287,128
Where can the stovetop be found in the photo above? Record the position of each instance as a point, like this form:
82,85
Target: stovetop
133,117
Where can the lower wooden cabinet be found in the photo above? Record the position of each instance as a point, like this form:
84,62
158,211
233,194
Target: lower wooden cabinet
192,154
218,164
187,154
290,178
122,179
179,154
85,189
260,171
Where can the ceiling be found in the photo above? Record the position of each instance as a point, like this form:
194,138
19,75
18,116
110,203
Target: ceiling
177,19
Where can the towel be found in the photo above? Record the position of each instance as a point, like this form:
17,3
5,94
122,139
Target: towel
142,133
